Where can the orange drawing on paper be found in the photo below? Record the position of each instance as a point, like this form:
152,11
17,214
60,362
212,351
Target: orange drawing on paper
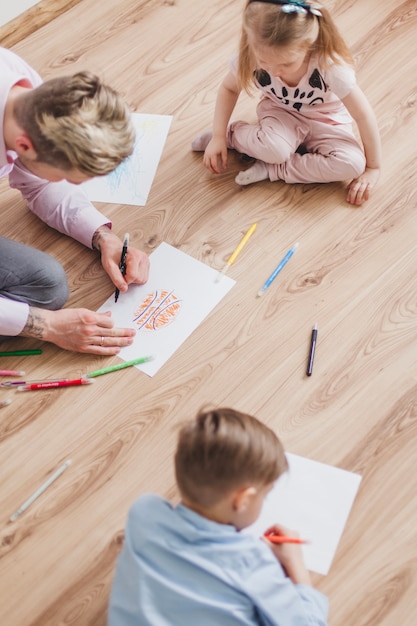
159,309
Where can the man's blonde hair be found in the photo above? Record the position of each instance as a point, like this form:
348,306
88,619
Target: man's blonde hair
77,122
222,450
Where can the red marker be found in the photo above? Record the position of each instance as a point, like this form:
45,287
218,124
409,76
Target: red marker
274,538
11,373
52,384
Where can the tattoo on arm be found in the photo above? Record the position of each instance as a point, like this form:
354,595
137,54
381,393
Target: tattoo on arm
35,324
99,235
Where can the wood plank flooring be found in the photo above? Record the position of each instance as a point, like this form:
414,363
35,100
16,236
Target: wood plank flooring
33,18
354,274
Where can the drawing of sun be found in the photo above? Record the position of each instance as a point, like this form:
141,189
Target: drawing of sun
159,309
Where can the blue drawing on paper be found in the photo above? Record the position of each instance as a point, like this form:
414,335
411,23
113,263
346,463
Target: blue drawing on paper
131,181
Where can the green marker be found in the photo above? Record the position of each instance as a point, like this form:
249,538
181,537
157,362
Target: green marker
21,352
120,366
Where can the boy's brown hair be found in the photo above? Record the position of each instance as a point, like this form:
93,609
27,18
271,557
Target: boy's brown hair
222,450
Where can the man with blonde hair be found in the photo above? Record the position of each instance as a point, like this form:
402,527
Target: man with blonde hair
56,135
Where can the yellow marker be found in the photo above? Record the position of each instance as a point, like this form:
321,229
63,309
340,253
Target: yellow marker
236,252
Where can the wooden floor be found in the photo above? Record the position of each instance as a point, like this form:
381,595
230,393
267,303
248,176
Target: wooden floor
354,274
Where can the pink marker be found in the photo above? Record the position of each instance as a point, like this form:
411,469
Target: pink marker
11,373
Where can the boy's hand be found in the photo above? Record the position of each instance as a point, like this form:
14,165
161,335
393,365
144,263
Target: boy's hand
215,155
289,555
360,188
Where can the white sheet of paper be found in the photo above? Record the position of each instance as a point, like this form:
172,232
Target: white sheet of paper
131,181
179,294
315,500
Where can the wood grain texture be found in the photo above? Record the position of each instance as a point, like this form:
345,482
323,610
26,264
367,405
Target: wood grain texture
353,273
33,18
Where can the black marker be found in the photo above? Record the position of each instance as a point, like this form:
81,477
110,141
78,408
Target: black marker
312,350
122,264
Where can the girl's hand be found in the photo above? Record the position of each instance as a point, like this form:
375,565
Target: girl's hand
360,188
215,155
289,555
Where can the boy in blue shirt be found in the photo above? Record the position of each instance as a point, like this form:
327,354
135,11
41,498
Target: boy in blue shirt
189,564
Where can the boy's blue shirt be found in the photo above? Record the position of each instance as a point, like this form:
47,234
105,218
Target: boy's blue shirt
179,568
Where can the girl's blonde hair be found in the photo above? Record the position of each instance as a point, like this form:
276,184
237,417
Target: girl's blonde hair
222,450
271,26
77,122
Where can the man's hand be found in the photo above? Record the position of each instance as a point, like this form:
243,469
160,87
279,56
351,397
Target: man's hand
79,330
110,247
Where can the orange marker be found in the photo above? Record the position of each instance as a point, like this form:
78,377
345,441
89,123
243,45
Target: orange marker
274,538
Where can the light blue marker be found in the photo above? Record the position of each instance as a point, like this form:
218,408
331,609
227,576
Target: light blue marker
277,269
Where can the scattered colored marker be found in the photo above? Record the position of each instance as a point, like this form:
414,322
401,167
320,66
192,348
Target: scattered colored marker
277,270
120,366
39,491
16,383
236,252
21,352
54,384
312,351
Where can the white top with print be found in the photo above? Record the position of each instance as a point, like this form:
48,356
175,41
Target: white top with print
318,95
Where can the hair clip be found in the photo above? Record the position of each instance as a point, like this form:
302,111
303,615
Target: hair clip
293,6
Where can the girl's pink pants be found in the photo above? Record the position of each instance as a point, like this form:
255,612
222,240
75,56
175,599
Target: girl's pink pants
332,151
